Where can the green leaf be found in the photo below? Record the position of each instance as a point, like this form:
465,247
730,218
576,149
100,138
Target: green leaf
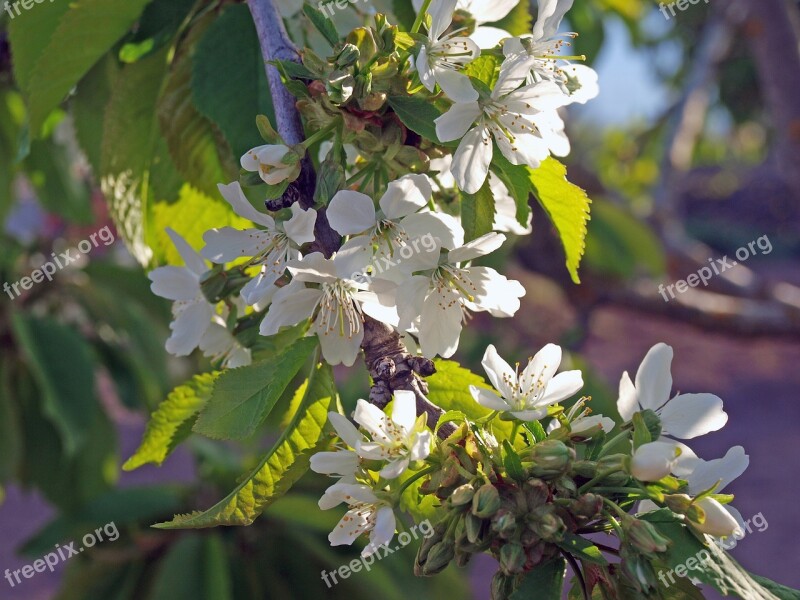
243,397
566,205
448,389
416,114
29,37
404,12
196,146
620,245
61,363
519,21
184,572
708,563
131,151
512,462
781,591
485,69
84,34
285,463
323,24
166,430
229,83
582,548
545,582
478,212
517,180
89,109
159,22
10,440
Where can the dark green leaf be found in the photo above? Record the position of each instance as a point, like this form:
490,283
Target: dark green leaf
243,397
323,24
513,463
582,548
416,114
545,582
478,212
283,465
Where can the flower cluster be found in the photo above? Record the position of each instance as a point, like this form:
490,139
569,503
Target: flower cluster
525,481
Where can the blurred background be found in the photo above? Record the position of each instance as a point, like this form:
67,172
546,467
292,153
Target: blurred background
690,153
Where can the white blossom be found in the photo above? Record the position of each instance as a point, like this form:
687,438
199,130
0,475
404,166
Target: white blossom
274,163
484,11
366,514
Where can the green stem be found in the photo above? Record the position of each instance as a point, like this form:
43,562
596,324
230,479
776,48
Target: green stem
319,135
615,508
613,442
421,16
597,478
408,482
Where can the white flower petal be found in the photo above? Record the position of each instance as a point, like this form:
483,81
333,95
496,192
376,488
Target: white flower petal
723,470
300,228
351,212
654,379
404,410
457,121
383,532
406,196
188,328
291,305
456,86
191,258
691,415
489,37
394,469
653,461
346,431
562,386
472,158
344,462
628,400
499,372
174,283
488,399
234,194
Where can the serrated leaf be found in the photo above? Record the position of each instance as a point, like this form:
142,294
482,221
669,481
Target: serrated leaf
544,582
518,182
484,69
89,109
62,366
567,206
283,465
416,114
165,429
29,37
448,389
130,150
323,24
242,398
198,149
582,548
712,565
477,212
84,34
229,83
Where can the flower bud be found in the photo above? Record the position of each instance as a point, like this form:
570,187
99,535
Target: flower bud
438,558
347,57
363,85
566,488
678,503
546,523
718,521
551,458
638,571
473,526
584,468
463,494
340,87
653,423
486,502
536,493
512,558
653,461
330,180
504,523
644,537
502,586
587,506
372,102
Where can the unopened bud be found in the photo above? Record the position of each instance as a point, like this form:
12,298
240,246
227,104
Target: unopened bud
536,493
644,537
463,494
512,558
653,461
546,523
347,57
504,523
363,85
502,586
438,558
473,526
718,521
551,458
587,506
678,503
486,501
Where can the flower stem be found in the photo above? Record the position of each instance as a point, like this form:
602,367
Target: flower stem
613,442
319,135
421,16
408,482
597,478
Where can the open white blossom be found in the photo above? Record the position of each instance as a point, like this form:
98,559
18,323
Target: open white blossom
434,304
400,440
685,416
191,311
271,247
526,395
343,462
400,226
484,11
537,57
219,344
582,422
367,514
443,55
522,121
274,163
336,306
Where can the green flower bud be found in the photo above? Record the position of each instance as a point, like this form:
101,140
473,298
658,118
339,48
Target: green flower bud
584,468
566,488
504,523
463,494
486,501
551,458
536,493
678,503
438,558
653,423
502,586
546,523
644,537
372,102
637,570
587,506
473,525
512,558
463,557
347,57
363,85
330,179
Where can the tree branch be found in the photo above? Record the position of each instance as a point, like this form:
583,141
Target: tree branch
390,364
